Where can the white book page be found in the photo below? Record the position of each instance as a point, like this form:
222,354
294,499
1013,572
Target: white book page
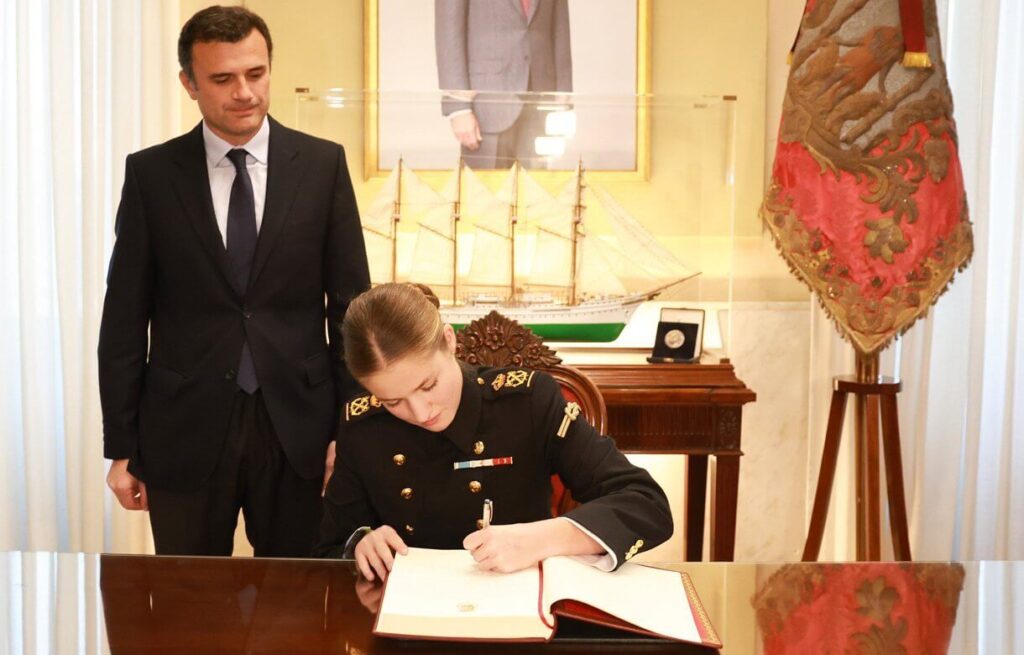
652,599
442,593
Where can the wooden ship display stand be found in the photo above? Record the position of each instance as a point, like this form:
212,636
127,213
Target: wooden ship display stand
677,409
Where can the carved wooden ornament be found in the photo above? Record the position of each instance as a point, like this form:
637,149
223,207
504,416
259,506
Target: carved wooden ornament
496,340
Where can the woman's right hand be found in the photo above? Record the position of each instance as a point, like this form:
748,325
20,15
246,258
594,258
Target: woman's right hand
375,552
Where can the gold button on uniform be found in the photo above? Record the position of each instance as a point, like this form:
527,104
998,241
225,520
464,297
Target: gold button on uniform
409,529
399,459
407,493
478,448
475,486
479,524
479,380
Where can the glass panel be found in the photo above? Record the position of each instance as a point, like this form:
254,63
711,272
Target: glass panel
583,220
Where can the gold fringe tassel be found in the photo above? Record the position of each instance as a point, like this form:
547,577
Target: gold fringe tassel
916,60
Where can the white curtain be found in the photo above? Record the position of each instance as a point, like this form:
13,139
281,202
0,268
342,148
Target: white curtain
962,405
84,83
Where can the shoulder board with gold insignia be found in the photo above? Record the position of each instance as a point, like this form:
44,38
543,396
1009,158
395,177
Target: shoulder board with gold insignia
503,381
361,406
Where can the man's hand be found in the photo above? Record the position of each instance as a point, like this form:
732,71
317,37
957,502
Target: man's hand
467,130
328,466
375,552
129,490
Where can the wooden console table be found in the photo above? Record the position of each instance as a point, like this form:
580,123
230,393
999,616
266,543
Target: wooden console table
690,409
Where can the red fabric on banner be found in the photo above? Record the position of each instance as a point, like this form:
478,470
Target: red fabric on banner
859,608
835,209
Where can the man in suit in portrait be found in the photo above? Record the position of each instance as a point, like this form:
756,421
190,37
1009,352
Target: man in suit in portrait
238,247
489,52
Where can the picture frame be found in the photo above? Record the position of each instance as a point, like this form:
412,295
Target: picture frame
679,337
608,103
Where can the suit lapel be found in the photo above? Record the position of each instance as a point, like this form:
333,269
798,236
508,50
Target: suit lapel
283,177
192,185
533,11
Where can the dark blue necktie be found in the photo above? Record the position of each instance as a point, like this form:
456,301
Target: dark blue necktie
241,248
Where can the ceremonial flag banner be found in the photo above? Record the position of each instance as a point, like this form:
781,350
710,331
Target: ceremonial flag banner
866,201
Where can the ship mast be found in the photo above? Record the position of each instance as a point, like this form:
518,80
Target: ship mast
456,209
513,218
396,216
577,218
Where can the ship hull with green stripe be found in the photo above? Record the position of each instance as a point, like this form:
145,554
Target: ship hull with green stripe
597,321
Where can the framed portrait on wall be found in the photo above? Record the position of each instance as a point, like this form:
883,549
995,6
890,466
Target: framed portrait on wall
546,83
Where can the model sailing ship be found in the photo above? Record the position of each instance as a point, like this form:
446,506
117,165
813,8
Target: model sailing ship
535,257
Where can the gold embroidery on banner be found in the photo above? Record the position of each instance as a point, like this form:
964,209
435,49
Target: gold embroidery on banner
869,323
795,586
858,112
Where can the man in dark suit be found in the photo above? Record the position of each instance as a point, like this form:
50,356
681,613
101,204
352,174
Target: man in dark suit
488,53
220,389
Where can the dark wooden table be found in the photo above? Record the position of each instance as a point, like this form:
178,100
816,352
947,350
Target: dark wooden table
223,605
689,409
145,605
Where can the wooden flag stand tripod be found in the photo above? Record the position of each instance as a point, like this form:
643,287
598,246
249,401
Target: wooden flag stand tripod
870,390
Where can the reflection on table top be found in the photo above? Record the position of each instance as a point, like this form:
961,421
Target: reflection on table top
83,603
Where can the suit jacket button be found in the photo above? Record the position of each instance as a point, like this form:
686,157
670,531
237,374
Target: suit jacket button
475,486
407,493
409,529
399,459
230,375
247,315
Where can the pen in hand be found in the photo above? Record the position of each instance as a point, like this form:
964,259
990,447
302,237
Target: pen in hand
488,514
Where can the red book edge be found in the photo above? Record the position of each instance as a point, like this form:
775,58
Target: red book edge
574,609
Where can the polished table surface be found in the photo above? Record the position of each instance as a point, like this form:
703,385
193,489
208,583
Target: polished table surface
85,603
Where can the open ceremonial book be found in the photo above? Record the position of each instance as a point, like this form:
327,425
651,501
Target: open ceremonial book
441,594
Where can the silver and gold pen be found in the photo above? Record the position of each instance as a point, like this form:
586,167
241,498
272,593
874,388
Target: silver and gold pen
488,513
